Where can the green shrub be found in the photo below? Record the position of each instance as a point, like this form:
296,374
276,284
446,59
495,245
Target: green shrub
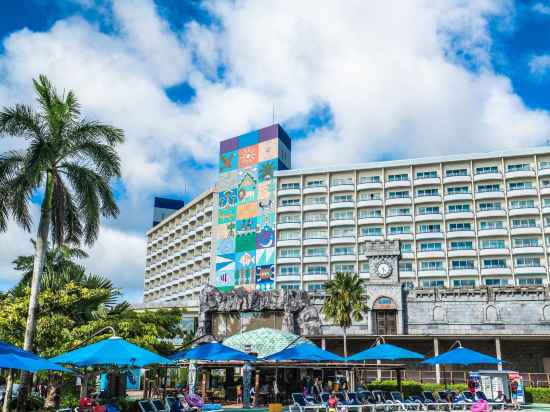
413,387
69,399
537,395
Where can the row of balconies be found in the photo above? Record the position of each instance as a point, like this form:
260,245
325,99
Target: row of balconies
173,279
179,223
179,265
187,252
173,238
184,247
365,185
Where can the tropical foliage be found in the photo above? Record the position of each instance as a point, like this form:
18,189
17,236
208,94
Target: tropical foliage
344,301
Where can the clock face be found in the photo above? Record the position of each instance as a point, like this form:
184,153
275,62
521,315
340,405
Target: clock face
384,270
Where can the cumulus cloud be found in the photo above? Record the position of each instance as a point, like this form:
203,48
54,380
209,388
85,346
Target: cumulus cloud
539,65
396,79
542,8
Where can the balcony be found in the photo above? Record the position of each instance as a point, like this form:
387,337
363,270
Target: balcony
427,181
400,236
346,187
522,192
461,253
342,258
313,241
545,190
459,215
369,185
429,235
520,173
492,194
428,216
342,204
364,202
399,219
457,179
288,225
451,197
335,240
430,254
525,230
427,199
370,220
283,260
432,272
315,223
528,250
521,211
496,270
491,213
314,189
313,277
463,272
370,237
314,206
288,192
288,278
544,170
492,232
529,270
478,177
494,251
391,201
342,222
398,183
288,208
288,242
454,234
315,259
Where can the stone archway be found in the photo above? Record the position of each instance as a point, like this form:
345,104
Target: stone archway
384,316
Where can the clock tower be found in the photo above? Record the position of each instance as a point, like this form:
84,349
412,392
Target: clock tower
384,287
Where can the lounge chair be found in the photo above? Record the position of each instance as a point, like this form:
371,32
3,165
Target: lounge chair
397,398
469,396
325,396
159,405
366,397
341,396
145,405
301,404
173,404
383,401
481,396
353,402
430,401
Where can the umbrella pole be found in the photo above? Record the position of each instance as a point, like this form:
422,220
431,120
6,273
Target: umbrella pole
9,388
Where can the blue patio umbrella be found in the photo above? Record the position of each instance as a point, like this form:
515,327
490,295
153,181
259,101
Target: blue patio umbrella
113,351
385,351
307,352
12,357
213,351
462,356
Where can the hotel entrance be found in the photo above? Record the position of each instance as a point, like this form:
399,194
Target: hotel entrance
384,316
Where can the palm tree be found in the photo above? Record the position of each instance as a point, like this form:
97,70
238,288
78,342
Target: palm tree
70,162
344,302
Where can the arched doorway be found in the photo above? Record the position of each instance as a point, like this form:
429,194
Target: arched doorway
384,316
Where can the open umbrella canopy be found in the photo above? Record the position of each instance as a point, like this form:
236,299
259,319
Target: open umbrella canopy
385,351
307,352
113,351
462,356
12,357
213,351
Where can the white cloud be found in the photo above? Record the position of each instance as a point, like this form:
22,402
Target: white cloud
542,8
539,65
397,77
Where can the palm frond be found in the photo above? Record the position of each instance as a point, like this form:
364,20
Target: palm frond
86,131
21,121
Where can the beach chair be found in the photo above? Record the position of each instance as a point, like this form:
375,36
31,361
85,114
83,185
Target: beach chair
325,396
341,396
145,405
469,396
480,396
301,404
366,398
173,404
382,401
429,400
353,402
159,405
403,404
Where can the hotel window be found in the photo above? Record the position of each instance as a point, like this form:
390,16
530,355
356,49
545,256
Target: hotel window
290,202
343,268
407,285
526,242
364,196
464,283
488,188
316,270
343,231
545,183
366,213
524,223
431,265
430,246
406,247
461,245
342,198
289,270
339,181
343,251
458,190
342,215
545,164
496,282
529,281
462,264
520,185
522,204
289,253
315,287
371,231
289,286
493,244
433,283
315,234
364,267
399,230
547,221
491,224
486,206
427,192
399,211
520,167
494,263
315,251
456,172
398,177
293,185
426,175
405,266
369,179
486,169
316,200
429,228
465,207
315,217
398,195
528,262
429,210
458,227
289,218
315,183
289,235
546,201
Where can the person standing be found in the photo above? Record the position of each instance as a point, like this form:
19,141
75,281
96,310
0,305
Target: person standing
514,394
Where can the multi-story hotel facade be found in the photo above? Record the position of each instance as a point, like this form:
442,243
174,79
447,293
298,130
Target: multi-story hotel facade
451,247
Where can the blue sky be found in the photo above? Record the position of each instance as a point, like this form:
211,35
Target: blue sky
369,81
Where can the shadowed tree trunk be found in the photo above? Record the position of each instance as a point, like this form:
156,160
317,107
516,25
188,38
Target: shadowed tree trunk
9,388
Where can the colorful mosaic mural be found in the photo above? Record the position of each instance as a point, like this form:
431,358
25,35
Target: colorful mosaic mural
245,231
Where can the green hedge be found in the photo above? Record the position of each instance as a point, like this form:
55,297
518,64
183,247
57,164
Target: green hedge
537,395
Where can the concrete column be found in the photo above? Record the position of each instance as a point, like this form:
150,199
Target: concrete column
437,369
323,344
378,370
498,352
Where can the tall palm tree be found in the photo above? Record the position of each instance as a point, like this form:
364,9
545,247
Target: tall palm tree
70,162
344,302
